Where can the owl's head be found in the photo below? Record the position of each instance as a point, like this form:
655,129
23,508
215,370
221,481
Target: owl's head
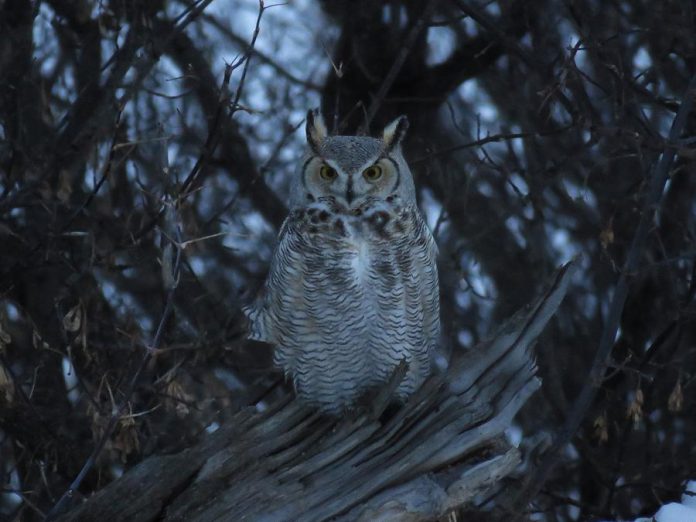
352,169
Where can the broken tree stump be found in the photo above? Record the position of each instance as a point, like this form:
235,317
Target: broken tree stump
433,454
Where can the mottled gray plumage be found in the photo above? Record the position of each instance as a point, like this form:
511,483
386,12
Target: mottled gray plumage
353,287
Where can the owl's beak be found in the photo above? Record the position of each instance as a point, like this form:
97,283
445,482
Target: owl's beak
349,191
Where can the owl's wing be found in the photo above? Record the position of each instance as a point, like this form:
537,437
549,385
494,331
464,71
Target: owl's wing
262,313
429,282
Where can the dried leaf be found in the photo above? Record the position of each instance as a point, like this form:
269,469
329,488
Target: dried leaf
5,337
126,440
83,338
606,236
639,396
98,424
601,431
73,319
177,398
676,398
6,387
635,409
64,187
38,342
168,266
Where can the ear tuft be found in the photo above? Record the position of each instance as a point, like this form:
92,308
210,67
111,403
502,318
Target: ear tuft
394,132
316,129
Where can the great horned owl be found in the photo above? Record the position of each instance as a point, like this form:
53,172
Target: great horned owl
353,285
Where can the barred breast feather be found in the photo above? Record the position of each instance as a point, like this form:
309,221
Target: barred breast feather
347,298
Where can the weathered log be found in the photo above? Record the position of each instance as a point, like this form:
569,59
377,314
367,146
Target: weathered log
431,455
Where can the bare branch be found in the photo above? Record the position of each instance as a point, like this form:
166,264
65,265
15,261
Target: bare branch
651,201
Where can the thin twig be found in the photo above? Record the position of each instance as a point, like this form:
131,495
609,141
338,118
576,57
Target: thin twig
115,417
105,174
397,65
263,57
593,382
257,29
514,47
213,139
489,139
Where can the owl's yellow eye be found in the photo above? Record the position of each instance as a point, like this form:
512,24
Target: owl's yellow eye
327,173
372,173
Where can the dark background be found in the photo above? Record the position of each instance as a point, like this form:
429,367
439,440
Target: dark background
536,129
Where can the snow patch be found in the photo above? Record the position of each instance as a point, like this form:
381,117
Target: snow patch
677,512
